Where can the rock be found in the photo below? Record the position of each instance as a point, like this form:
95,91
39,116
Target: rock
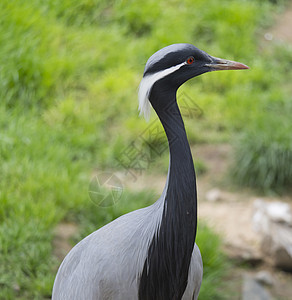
269,36
252,290
264,277
276,211
243,255
273,220
214,195
16,287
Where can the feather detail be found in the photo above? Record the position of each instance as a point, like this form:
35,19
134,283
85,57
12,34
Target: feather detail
143,96
146,85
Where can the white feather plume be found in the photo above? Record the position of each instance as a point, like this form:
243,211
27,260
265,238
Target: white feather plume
146,85
143,96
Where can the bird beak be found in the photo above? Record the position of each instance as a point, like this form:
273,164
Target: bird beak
223,64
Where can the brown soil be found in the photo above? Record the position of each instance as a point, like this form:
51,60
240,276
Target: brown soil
61,243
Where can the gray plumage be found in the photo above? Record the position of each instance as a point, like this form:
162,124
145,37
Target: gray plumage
106,264
160,54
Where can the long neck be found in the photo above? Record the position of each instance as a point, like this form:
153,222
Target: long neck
166,269
181,170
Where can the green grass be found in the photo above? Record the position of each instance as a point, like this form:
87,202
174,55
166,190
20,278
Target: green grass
263,151
214,262
263,157
69,72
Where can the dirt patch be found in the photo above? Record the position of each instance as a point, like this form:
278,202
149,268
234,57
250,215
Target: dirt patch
231,220
282,30
61,243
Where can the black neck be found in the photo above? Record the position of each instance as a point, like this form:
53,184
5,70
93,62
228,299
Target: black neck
166,269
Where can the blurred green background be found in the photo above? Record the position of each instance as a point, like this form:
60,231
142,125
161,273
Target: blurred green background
69,73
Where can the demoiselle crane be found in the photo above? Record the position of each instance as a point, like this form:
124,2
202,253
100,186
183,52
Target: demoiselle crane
150,253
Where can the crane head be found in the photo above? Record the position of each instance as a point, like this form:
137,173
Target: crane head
170,67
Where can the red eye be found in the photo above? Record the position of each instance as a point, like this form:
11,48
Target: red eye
190,60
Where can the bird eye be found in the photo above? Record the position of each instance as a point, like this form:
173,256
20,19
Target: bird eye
190,60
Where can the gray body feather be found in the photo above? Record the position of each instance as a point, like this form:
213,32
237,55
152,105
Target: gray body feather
106,265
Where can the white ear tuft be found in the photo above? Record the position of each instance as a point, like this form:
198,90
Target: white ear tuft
143,95
146,85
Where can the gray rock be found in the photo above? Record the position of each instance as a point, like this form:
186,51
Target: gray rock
264,277
272,220
276,211
252,290
214,195
243,255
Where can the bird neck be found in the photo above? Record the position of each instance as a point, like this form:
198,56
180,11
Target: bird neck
164,102
181,177
181,196
165,273
181,161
